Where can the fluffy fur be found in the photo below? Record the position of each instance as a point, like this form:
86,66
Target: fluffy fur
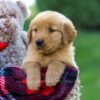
12,17
51,37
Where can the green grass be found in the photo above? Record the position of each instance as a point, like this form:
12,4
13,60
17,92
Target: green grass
88,59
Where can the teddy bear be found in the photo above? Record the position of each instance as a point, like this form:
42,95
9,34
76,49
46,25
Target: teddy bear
13,39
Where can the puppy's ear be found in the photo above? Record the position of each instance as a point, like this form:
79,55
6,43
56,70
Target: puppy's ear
69,32
23,8
29,35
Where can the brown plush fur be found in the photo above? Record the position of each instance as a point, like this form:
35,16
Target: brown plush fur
58,33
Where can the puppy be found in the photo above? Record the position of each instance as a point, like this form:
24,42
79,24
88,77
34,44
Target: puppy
51,37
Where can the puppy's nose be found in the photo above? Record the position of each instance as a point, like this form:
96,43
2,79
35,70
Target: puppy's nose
39,42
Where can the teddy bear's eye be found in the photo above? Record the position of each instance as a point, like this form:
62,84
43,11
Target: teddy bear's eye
2,16
13,15
51,30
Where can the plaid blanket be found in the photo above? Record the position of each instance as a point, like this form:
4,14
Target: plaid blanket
13,85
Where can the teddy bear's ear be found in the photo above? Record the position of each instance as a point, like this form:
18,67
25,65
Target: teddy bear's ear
23,8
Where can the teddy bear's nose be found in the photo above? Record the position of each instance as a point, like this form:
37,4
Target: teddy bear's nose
39,42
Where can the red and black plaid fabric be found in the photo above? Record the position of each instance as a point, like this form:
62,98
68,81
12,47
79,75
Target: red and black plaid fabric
13,85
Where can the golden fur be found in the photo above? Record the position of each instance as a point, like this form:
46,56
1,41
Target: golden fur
58,33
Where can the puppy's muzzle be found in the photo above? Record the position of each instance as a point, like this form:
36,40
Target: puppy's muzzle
40,42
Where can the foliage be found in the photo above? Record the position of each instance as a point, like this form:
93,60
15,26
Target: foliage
88,59
33,11
84,13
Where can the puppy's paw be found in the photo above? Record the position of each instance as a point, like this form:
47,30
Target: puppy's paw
51,79
33,84
33,75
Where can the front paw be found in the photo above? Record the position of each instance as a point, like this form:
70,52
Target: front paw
33,84
51,80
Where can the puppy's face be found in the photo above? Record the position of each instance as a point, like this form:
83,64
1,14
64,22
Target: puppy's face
50,31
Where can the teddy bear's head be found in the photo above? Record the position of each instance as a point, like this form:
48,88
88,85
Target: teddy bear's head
12,17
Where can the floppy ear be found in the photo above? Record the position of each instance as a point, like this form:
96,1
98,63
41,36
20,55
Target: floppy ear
29,35
69,32
22,8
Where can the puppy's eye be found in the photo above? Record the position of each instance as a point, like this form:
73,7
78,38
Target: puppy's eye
34,30
51,30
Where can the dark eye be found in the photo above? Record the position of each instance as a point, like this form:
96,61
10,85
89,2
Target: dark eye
51,30
34,30
13,15
2,16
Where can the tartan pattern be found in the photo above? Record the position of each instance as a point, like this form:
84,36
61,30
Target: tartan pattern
13,85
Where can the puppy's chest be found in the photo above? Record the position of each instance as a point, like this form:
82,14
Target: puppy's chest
44,61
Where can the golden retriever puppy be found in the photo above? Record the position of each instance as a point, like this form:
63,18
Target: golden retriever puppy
50,37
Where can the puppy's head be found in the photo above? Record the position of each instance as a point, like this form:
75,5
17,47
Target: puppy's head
50,30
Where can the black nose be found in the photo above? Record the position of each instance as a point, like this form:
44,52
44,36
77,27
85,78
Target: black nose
39,42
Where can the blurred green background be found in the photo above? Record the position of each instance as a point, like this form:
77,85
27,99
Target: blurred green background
85,14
